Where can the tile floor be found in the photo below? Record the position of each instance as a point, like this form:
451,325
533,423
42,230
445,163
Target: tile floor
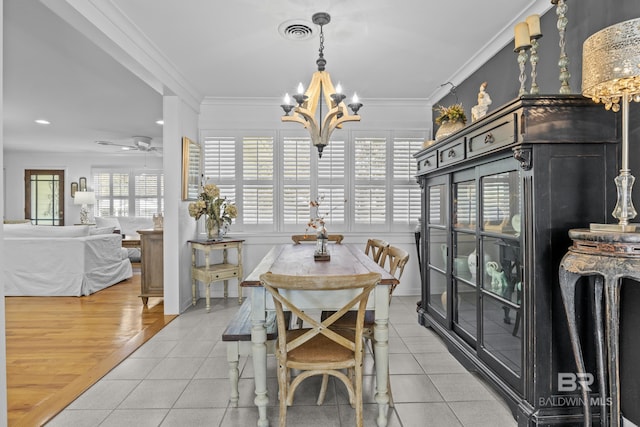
180,378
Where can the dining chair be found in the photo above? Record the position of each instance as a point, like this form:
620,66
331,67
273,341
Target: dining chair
397,259
320,349
376,247
301,238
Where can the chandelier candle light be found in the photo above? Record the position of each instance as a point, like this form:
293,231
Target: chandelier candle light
611,75
523,43
320,90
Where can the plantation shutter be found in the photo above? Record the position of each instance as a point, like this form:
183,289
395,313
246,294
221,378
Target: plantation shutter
331,183
149,192
257,169
296,192
370,188
405,191
220,165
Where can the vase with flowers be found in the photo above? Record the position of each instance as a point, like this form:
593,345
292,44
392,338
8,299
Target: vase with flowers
217,210
450,119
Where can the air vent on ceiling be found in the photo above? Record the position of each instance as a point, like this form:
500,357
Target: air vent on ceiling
296,29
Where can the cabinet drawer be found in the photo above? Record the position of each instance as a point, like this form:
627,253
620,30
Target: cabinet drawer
493,136
427,163
451,153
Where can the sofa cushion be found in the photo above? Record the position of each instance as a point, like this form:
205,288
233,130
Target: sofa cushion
101,230
45,231
104,221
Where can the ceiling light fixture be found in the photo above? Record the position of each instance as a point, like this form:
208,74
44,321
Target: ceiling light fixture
159,122
321,88
43,122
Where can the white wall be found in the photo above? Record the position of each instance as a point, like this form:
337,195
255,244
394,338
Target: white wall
218,114
3,352
179,120
75,165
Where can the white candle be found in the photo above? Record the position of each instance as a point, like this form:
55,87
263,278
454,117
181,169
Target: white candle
300,88
533,22
355,99
287,99
522,38
339,88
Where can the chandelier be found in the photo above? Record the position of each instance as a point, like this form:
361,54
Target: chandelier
320,92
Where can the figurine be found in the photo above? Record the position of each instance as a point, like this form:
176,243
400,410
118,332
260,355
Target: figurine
484,100
498,280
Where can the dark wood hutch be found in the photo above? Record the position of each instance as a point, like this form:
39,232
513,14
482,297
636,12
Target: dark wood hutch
498,199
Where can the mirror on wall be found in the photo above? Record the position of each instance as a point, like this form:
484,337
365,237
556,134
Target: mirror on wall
191,166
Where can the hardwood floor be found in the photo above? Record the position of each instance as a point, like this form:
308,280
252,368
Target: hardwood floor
57,347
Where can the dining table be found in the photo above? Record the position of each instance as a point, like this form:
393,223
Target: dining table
298,260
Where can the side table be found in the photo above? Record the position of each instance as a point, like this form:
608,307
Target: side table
209,272
610,256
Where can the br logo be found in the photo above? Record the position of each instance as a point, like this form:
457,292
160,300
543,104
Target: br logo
568,381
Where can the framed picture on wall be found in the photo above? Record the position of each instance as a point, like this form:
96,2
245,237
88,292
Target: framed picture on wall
191,168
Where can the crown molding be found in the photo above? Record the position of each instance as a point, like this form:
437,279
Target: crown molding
497,43
104,23
275,102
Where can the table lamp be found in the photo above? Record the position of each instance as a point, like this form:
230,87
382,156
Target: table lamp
84,198
611,75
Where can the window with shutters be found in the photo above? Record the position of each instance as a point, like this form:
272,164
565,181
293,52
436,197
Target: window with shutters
128,192
362,182
331,184
257,181
370,189
296,180
220,166
405,192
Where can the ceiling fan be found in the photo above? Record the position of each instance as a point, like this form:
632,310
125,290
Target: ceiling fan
139,143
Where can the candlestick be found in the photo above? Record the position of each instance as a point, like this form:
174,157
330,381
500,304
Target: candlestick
534,62
563,62
521,36
522,61
533,23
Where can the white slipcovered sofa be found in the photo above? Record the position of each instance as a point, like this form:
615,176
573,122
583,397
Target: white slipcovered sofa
62,261
128,226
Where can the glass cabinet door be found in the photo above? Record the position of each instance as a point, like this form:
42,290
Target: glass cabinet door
464,271
500,271
437,247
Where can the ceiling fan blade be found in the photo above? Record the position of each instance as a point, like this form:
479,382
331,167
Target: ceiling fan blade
131,147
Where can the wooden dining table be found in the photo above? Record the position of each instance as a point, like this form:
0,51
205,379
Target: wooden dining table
298,260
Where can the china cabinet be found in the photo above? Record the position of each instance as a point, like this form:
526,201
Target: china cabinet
498,198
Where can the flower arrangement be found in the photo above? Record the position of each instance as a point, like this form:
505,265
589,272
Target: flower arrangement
453,113
218,210
317,220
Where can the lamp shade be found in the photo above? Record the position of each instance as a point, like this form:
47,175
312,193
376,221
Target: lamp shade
611,64
85,198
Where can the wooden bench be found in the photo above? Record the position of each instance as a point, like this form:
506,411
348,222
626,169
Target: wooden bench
237,335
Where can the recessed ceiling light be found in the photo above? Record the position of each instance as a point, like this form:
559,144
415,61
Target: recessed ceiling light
43,122
125,148
160,122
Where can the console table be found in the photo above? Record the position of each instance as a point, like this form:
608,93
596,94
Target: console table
610,256
215,272
151,264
